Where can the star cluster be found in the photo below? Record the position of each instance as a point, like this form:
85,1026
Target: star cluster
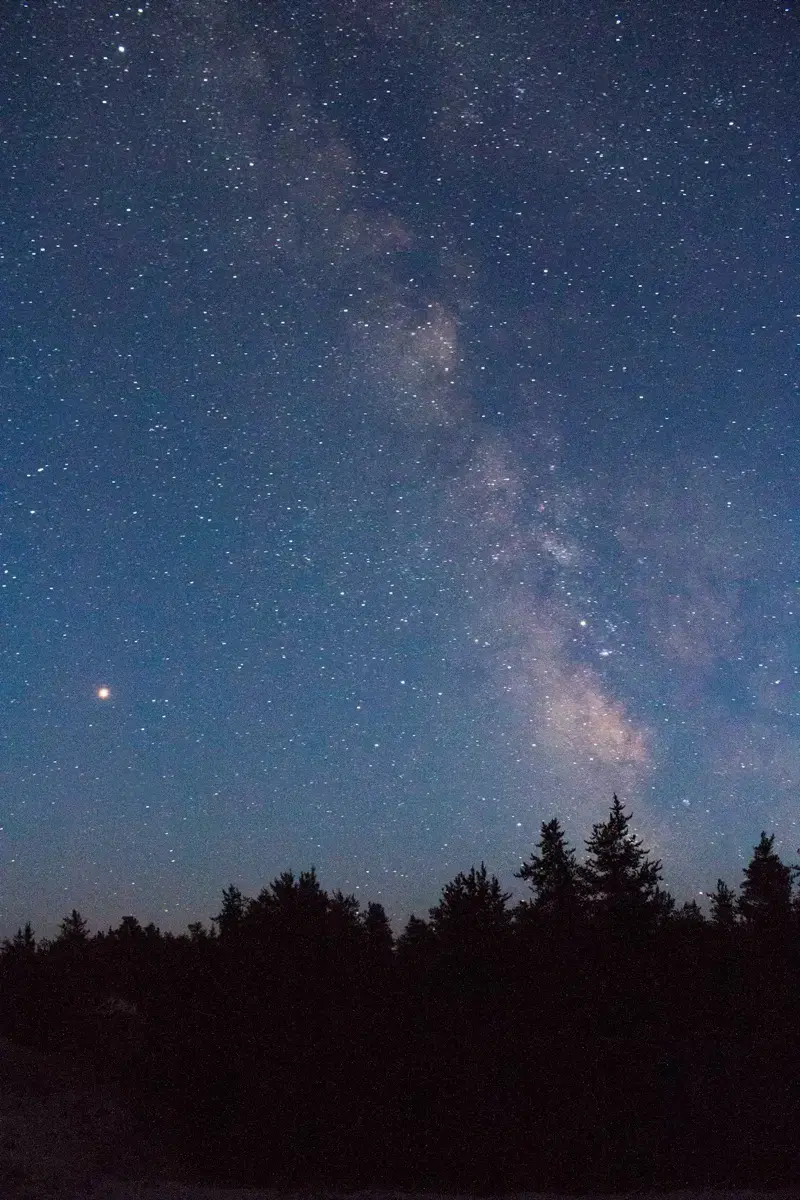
399,444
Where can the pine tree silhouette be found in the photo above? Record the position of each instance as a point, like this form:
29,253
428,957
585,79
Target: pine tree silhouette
23,943
553,875
723,906
229,918
473,909
621,881
73,930
766,892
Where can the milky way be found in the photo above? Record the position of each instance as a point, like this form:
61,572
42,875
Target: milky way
400,444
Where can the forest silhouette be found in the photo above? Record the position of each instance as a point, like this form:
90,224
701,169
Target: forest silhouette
593,1036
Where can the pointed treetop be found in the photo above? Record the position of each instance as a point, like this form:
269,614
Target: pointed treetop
22,944
553,874
723,906
73,929
619,875
766,894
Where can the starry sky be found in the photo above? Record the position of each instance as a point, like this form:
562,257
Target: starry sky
399,416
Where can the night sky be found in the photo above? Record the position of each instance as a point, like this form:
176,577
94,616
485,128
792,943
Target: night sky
400,418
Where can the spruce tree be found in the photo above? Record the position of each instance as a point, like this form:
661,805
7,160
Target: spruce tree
379,932
766,893
619,877
723,906
73,930
554,877
22,945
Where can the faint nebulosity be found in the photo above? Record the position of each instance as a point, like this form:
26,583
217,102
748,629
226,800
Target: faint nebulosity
399,443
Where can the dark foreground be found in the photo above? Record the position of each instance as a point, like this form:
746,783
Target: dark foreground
595,1039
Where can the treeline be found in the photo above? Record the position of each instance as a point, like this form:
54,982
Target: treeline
593,1036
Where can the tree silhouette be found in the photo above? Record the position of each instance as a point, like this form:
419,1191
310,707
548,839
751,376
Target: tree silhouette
689,914
480,1053
723,906
303,894
73,930
766,893
344,913
198,933
129,931
229,918
22,945
380,938
473,907
553,875
416,939
620,879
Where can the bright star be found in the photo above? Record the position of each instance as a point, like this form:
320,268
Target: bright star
103,693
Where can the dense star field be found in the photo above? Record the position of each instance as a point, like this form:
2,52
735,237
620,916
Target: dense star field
400,443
